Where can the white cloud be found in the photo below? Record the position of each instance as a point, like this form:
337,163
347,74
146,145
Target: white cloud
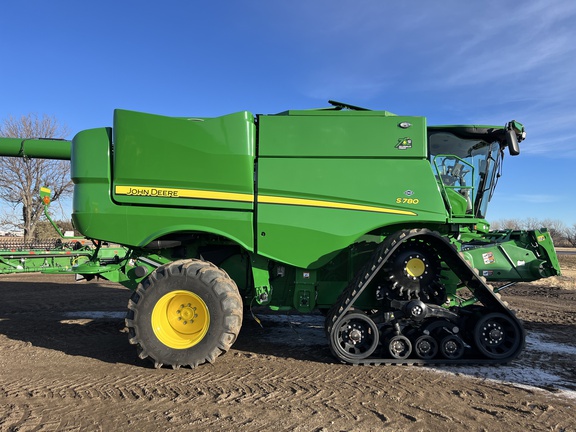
528,51
482,63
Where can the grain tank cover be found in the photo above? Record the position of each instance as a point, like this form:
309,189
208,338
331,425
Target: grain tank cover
174,161
337,134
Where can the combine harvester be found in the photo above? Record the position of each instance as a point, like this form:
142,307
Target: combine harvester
377,220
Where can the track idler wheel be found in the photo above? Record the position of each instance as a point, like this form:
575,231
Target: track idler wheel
354,338
497,336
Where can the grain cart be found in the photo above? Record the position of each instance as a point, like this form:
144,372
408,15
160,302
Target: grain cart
376,220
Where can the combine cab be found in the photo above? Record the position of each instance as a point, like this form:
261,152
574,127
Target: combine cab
376,220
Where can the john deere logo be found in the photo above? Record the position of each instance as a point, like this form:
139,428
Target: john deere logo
404,143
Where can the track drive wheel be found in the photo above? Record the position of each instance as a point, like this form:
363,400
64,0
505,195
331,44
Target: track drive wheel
184,314
413,273
354,337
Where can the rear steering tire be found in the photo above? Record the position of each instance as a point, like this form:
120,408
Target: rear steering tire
185,313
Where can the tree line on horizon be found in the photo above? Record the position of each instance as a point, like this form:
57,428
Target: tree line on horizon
563,235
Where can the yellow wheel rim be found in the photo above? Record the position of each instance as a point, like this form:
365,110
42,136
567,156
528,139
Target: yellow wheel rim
180,319
415,267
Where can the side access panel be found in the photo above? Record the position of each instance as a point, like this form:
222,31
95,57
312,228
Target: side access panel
137,220
191,162
325,179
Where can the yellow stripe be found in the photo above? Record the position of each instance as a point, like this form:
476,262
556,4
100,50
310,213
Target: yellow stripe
329,204
182,193
240,197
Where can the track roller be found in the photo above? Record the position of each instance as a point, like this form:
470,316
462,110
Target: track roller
399,347
426,347
452,347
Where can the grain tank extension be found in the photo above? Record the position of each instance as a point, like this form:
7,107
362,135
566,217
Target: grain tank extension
376,220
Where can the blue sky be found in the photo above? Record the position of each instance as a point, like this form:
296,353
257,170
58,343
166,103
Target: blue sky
451,61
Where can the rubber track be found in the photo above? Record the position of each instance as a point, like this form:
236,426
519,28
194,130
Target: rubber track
455,261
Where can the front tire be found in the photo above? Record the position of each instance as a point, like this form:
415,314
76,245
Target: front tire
185,313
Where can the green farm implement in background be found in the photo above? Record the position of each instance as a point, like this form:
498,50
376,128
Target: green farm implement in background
376,220
57,255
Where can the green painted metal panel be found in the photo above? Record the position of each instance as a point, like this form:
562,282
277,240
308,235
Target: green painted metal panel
195,162
97,215
342,134
138,226
514,255
310,208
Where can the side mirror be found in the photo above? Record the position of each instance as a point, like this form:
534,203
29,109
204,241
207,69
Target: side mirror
512,142
514,134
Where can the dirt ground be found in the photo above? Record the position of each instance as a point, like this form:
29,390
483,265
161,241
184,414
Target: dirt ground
67,366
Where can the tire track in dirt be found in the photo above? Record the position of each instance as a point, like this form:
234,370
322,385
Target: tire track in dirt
314,395
261,387
28,417
62,372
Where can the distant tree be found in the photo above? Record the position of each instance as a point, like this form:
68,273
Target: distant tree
570,235
532,223
21,178
504,224
557,230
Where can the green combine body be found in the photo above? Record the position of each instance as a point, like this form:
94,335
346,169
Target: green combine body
376,220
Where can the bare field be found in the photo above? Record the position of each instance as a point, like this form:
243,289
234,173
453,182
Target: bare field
67,366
